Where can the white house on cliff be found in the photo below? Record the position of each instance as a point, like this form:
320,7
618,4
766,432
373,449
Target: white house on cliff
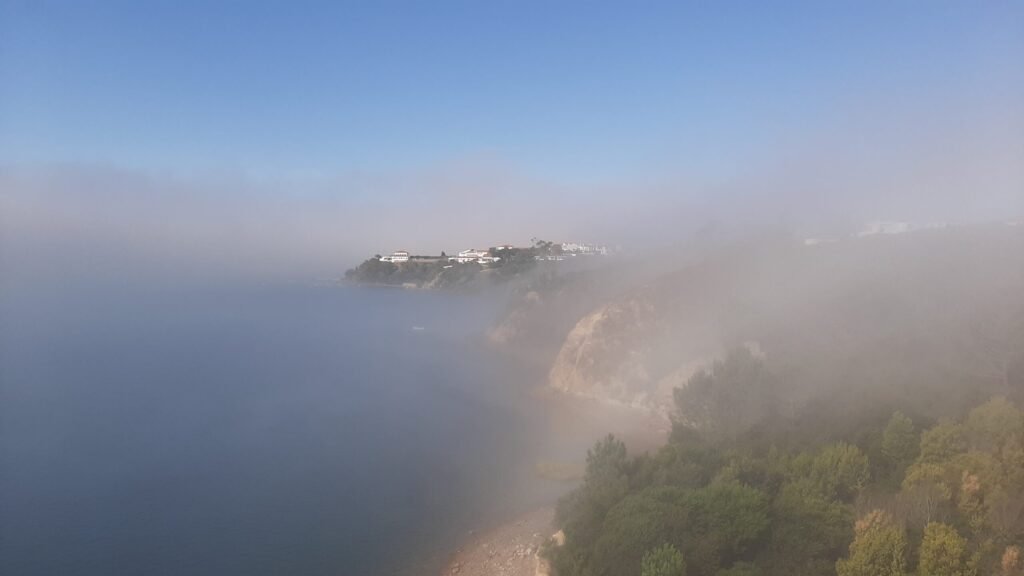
397,256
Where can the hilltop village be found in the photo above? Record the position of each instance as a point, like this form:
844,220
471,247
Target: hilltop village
503,262
402,268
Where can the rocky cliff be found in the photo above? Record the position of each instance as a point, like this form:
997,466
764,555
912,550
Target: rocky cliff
614,354
634,350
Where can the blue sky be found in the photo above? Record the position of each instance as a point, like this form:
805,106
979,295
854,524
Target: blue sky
316,133
575,92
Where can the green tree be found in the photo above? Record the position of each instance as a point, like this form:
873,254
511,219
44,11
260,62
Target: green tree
879,548
900,443
732,397
994,424
664,560
731,515
940,443
808,532
840,470
712,526
606,472
582,512
943,552
636,525
608,454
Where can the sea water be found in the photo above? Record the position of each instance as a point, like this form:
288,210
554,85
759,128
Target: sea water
254,430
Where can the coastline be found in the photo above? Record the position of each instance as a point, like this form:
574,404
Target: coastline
509,549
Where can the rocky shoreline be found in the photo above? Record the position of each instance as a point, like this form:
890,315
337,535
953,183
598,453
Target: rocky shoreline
511,549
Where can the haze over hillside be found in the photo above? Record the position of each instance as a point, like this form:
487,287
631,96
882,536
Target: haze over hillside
923,295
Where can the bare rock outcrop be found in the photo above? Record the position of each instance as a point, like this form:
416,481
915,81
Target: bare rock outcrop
607,354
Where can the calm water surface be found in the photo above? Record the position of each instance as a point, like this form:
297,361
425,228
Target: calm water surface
253,431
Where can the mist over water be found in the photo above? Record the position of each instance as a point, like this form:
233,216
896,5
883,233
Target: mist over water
248,430
815,223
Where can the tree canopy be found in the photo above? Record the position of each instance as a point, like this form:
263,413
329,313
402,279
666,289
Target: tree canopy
942,499
664,560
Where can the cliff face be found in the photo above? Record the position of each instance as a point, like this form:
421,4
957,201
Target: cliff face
599,358
637,347
607,354
545,309
630,351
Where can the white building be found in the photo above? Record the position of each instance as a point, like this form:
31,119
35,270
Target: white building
884,227
471,255
397,256
891,227
583,248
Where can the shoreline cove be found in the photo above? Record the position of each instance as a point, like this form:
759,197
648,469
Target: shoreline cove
509,546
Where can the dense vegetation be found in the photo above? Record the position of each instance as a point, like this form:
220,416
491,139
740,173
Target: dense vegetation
748,486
